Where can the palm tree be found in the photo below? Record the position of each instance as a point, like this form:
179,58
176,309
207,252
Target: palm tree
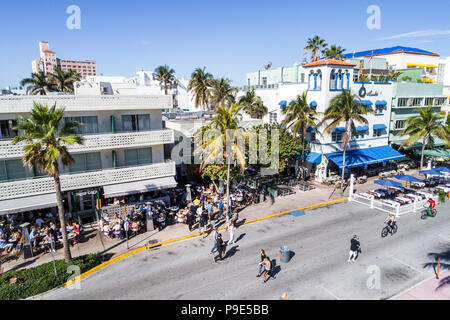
393,75
253,105
299,115
222,93
63,80
47,139
424,126
225,124
199,84
315,45
166,77
39,83
334,52
346,108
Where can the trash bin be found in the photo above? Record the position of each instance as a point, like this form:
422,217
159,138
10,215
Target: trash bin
285,254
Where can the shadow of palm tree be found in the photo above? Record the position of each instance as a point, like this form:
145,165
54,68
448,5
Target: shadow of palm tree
444,265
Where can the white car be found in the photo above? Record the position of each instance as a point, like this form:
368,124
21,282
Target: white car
445,188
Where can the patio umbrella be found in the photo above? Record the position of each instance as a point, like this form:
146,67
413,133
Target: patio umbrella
388,183
407,178
431,171
442,169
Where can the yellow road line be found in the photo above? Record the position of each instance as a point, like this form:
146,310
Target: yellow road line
160,244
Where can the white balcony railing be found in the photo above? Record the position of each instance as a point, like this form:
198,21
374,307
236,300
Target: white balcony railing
36,186
98,142
24,104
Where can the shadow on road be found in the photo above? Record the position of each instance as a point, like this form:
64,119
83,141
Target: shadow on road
242,235
445,265
231,252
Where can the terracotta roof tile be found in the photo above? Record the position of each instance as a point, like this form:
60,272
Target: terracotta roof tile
332,62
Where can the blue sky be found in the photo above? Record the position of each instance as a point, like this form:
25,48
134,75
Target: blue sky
229,37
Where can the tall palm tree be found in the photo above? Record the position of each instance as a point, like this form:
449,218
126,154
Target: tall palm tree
213,147
252,104
299,115
47,137
315,45
39,83
63,80
425,126
200,84
166,77
222,93
345,108
334,52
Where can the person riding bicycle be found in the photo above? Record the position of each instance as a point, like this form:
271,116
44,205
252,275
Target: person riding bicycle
390,220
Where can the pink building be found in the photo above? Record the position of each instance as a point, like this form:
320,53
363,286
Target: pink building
48,60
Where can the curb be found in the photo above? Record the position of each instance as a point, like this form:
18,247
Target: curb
160,244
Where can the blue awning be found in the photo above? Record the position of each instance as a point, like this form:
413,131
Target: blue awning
362,128
314,157
361,157
310,130
379,127
338,129
283,103
366,102
313,104
381,103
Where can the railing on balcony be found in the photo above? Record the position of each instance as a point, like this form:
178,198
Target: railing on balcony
15,104
36,186
96,142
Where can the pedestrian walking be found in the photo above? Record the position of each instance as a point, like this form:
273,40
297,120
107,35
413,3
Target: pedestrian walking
267,264
202,225
209,208
354,248
155,216
220,215
231,229
261,268
220,247
190,220
215,235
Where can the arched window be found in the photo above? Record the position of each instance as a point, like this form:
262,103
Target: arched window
319,80
333,80
311,80
340,80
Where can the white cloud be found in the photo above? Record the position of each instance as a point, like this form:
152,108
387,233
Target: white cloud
418,34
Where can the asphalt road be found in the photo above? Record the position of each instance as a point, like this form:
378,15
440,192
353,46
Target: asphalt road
318,270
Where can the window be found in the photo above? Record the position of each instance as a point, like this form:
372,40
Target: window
417,102
333,80
428,101
6,130
136,122
402,102
135,157
399,124
273,117
89,124
377,132
440,101
336,136
86,162
12,170
264,81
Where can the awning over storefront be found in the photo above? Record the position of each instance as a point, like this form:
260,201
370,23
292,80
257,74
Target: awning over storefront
314,157
313,104
381,103
379,127
17,205
362,128
338,129
366,102
283,103
123,189
361,157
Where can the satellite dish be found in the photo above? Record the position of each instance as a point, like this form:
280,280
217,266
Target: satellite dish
268,65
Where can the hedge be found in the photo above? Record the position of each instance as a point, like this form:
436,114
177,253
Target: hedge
20,284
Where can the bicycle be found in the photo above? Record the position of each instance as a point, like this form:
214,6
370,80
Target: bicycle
428,213
387,229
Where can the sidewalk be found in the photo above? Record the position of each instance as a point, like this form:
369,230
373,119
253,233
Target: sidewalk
113,248
428,290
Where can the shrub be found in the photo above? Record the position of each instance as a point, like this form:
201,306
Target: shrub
20,284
